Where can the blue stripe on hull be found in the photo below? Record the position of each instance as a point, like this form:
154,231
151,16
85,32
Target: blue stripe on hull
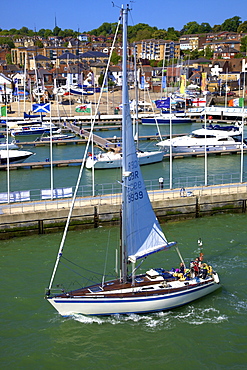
96,301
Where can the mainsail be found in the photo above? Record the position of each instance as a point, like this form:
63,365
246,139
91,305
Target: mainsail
141,232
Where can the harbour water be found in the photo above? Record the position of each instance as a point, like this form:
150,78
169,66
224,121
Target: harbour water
218,166
206,334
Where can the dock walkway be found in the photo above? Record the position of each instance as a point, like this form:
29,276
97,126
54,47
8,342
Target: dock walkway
73,162
98,140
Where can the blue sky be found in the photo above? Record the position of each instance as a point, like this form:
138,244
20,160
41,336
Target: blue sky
86,15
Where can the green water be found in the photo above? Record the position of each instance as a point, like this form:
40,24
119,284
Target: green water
208,334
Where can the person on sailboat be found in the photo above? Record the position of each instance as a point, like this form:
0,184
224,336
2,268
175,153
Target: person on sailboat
181,268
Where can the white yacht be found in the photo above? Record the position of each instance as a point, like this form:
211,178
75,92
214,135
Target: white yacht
106,160
213,137
15,156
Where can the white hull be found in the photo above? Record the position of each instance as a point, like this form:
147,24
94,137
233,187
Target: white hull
111,160
138,305
201,148
213,139
15,156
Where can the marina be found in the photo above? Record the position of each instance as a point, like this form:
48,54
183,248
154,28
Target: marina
111,258
77,162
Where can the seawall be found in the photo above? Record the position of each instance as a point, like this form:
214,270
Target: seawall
46,217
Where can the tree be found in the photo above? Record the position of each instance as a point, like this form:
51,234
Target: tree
39,44
24,31
159,34
115,58
243,46
205,28
216,28
56,30
153,63
242,28
47,33
41,32
8,58
172,34
143,35
8,41
191,28
141,31
231,24
208,53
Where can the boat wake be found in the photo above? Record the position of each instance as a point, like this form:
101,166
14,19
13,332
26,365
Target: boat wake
191,315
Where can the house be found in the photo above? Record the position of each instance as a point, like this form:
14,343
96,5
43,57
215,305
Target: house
40,61
6,89
115,74
93,56
227,52
66,58
83,37
192,42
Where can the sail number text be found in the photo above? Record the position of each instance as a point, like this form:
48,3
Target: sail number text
134,187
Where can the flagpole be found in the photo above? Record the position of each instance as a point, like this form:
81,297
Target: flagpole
170,143
8,174
93,173
24,84
51,159
242,141
205,152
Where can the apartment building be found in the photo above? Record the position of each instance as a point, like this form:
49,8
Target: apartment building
152,49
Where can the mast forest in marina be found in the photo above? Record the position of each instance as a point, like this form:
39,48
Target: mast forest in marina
156,289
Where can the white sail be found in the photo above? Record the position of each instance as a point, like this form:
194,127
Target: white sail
143,234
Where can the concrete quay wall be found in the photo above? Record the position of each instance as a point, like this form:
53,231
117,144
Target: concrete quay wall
93,214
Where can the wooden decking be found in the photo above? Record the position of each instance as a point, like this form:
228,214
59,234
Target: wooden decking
142,288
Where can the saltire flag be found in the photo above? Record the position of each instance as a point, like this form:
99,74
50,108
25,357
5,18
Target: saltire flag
41,108
238,102
4,110
163,103
182,84
85,108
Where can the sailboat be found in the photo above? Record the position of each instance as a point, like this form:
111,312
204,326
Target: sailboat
141,235
113,159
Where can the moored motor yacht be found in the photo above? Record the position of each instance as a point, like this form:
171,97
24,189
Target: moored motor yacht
15,156
213,137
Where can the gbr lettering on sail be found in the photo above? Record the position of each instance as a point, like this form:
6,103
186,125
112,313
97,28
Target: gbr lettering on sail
135,184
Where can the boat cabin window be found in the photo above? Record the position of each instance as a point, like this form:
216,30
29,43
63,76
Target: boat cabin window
196,136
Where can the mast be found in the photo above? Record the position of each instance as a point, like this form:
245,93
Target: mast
125,172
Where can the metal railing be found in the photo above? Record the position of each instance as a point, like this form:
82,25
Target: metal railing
110,193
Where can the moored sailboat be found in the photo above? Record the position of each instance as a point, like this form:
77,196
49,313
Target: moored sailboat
141,236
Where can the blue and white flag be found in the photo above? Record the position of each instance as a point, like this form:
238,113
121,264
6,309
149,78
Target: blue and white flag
42,108
163,103
142,82
164,82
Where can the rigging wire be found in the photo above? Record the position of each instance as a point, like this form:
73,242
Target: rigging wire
60,251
